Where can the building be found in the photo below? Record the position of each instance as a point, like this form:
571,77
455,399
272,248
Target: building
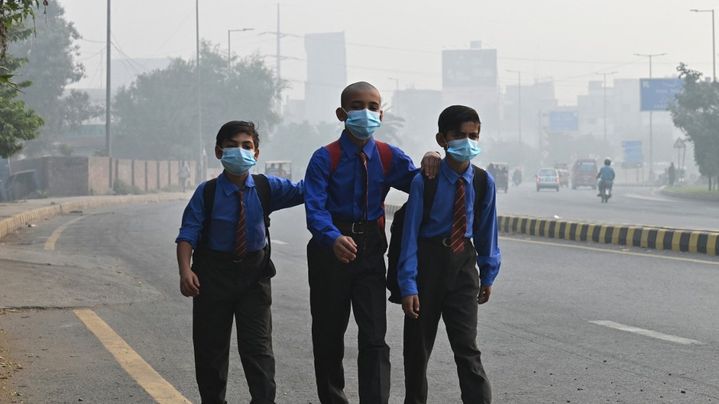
326,75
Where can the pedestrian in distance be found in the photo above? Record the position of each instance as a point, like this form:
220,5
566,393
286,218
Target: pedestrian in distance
671,174
345,186
223,253
449,259
184,175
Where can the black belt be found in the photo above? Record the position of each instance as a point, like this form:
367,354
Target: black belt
444,241
357,228
228,256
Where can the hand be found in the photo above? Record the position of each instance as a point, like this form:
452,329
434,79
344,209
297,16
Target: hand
430,164
189,284
484,292
410,305
345,249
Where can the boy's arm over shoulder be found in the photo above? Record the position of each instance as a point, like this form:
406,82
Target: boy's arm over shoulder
284,193
193,218
403,170
407,267
319,219
486,235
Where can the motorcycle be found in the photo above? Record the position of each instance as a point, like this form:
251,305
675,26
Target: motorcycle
605,190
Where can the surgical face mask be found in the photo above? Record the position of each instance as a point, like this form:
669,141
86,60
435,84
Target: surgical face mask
237,160
463,149
362,123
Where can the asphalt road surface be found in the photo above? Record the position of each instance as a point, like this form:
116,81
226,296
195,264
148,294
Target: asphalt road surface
567,322
628,205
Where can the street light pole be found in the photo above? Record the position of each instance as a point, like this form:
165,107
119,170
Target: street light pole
200,161
714,52
229,44
519,103
650,56
604,107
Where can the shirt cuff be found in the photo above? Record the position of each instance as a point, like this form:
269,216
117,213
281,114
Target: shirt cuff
192,242
409,290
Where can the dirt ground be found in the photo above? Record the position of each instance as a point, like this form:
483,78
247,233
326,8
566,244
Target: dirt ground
8,367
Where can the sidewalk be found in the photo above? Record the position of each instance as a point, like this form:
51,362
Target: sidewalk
14,215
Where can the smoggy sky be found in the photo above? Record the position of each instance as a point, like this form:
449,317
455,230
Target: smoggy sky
570,41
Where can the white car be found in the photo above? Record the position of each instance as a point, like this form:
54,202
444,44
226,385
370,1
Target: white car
547,178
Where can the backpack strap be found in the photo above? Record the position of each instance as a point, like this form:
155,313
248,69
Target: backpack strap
208,198
385,155
430,190
335,151
479,182
262,185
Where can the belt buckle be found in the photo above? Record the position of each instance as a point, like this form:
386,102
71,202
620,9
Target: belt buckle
353,228
446,242
238,260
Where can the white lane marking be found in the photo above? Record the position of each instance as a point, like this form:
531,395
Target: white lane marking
647,198
278,242
558,244
646,333
50,242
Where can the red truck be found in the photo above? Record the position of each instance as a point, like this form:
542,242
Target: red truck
584,173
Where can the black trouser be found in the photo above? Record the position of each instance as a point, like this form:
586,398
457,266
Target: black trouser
335,286
448,286
230,290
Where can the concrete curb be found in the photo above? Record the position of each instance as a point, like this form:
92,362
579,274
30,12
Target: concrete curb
658,238
12,223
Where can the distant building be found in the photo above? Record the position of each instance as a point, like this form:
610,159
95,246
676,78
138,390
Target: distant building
420,110
538,100
326,75
469,77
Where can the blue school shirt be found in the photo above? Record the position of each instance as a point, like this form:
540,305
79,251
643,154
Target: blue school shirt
225,213
439,224
340,194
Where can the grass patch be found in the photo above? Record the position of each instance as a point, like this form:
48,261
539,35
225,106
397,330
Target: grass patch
692,192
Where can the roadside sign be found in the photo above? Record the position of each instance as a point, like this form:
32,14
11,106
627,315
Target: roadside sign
658,94
633,155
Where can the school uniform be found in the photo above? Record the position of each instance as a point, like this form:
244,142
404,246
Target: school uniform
440,255
232,260
347,199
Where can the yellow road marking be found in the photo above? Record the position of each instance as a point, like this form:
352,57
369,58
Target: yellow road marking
659,244
50,242
693,242
711,244
636,254
157,387
645,239
677,240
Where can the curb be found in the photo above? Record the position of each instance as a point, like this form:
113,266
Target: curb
658,238
12,223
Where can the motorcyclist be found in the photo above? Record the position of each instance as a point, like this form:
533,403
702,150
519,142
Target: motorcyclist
517,176
606,177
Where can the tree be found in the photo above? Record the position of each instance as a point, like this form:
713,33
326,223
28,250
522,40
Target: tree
13,13
696,113
156,116
17,123
51,66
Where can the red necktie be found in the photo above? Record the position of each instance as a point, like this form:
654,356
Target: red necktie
459,220
240,230
363,158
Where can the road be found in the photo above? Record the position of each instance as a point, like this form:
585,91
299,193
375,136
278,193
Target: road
629,205
566,323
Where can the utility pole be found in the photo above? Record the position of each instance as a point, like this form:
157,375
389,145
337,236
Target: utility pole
200,161
519,104
108,96
278,35
650,56
714,52
604,101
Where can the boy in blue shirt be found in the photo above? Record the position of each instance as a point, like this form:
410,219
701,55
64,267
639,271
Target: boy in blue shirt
442,247
225,232
345,187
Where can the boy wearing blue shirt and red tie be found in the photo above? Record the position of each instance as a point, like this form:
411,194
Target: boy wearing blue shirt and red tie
225,233
345,187
442,246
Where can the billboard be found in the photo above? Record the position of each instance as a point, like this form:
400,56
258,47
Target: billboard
563,121
469,68
633,155
657,94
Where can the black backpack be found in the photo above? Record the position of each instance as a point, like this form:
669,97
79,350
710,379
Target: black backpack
395,245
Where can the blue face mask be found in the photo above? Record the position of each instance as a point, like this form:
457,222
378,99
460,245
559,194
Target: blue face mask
237,160
362,123
463,149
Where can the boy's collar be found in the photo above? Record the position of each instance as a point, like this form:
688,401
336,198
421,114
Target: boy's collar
350,149
228,187
452,176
